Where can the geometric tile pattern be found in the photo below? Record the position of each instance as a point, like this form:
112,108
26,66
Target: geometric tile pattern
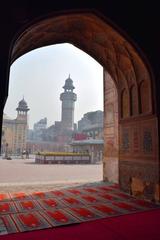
21,212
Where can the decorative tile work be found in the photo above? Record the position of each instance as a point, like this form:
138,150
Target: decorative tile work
148,173
147,141
136,140
125,140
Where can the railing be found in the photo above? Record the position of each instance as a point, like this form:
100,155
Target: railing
63,159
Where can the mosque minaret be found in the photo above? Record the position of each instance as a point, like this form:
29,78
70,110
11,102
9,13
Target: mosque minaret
68,98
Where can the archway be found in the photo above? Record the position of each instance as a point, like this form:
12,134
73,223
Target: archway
138,139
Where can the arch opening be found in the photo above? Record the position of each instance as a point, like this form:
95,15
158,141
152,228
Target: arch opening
63,110
138,140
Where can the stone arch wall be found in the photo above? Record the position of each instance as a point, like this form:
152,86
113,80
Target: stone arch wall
144,100
119,56
133,101
111,158
125,104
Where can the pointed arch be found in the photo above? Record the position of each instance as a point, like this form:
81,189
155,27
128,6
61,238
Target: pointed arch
144,99
133,101
124,104
126,65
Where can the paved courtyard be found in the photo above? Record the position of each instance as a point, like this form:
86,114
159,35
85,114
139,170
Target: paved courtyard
17,174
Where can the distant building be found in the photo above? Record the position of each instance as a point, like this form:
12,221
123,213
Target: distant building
60,133
14,131
92,125
94,147
89,137
39,129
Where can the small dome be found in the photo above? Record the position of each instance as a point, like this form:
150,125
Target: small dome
69,84
22,105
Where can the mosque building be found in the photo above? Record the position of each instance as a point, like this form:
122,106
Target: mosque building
14,131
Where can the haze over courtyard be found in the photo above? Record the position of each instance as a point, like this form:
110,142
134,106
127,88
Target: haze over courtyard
40,74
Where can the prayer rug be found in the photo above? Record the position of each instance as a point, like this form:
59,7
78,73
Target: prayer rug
59,217
20,212
84,213
30,221
4,197
105,210
89,199
108,197
7,208
40,195
51,203
19,196
71,201
28,205
57,193
75,192
10,225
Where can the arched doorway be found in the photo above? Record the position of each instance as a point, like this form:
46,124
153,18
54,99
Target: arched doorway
137,154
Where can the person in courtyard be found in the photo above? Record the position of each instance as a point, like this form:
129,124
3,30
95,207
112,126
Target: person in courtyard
27,154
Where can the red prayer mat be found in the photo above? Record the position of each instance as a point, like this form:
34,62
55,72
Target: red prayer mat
28,205
142,203
59,217
88,199
74,191
71,201
50,203
21,212
123,195
125,206
7,208
108,197
58,193
84,213
105,209
106,189
91,190
19,196
40,195
4,197
30,221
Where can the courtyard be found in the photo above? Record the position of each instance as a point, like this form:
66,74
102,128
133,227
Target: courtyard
23,174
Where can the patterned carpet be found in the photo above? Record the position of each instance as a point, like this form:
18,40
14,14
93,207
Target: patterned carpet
21,212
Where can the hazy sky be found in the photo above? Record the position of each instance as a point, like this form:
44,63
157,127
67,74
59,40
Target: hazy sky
40,75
